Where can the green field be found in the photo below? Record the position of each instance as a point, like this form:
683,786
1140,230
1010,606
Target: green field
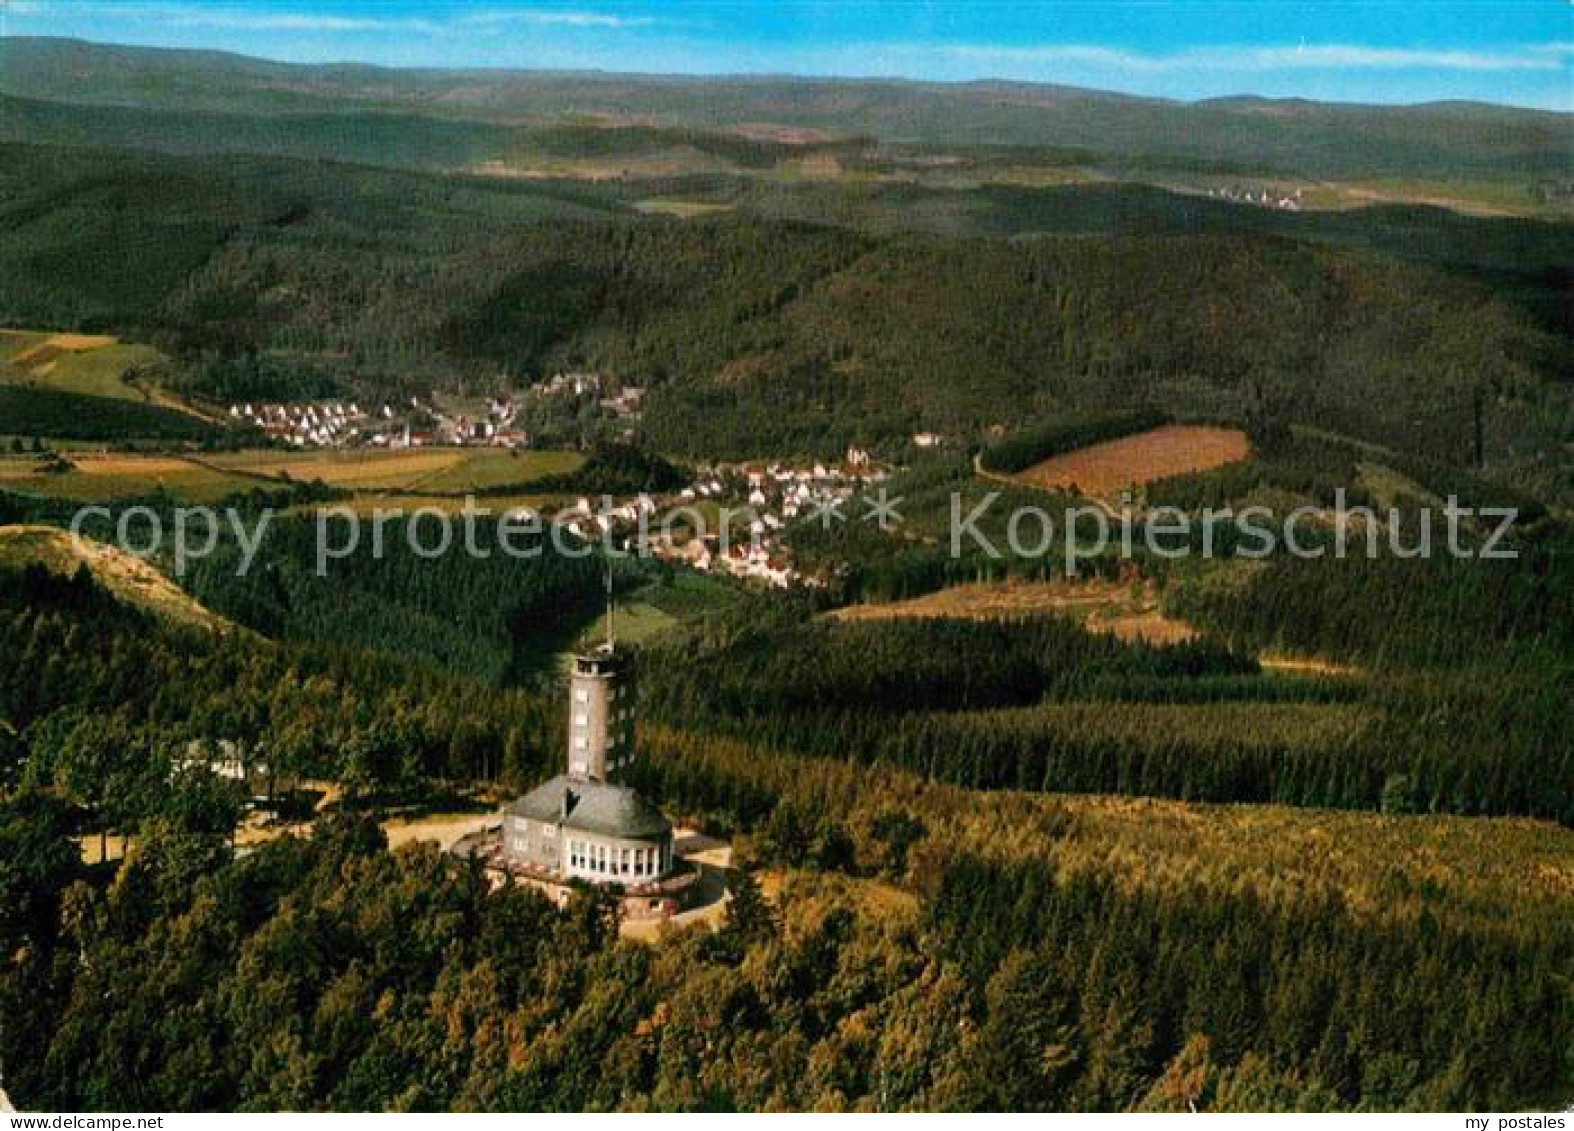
494,467
407,479
660,607
488,508
436,471
682,209
105,477
86,364
89,387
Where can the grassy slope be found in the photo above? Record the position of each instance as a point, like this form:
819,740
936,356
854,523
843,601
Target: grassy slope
128,578
91,365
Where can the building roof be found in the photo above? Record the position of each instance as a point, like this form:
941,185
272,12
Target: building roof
596,807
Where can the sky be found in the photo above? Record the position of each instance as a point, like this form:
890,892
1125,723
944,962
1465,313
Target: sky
1518,52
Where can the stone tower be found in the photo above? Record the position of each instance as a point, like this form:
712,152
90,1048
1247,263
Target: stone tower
601,714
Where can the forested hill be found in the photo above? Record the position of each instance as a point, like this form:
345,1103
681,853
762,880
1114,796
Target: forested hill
1288,137
758,332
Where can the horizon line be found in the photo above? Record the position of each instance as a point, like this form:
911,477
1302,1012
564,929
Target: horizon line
1244,94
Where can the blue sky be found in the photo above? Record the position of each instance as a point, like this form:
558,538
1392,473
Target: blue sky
1508,51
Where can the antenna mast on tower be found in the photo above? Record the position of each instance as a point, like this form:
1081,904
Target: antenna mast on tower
611,608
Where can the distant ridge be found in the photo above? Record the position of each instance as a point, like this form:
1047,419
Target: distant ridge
1288,136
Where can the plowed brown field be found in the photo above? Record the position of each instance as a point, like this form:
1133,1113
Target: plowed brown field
1105,469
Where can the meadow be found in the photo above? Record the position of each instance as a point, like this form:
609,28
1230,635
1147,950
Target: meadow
88,477
94,365
411,471
411,478
1216,834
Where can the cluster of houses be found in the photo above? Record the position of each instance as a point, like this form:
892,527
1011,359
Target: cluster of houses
626,404
584,519
568,385
1262,197
340,425
731,519
497,428
307,425
770,497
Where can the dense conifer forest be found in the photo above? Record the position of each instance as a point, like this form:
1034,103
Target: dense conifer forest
1307,846
758,332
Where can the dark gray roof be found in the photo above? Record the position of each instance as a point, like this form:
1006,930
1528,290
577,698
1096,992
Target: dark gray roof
596,807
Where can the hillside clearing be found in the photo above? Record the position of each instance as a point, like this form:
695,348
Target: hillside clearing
1103,470
1127,610
366,470
92,365
367,504
681,209
437,478
128,577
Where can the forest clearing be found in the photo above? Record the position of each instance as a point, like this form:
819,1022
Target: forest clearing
1104,469
1127,610
92,365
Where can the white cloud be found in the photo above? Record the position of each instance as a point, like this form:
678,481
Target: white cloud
542,17
1305,56
286,21
242,19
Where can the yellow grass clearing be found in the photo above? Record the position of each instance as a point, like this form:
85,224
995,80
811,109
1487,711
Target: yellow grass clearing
443,829
1128,610
127,577
117,464
1307,665
1103,470
497,467
79,341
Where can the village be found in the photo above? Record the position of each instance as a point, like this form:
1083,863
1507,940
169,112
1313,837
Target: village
731,519
338,424
1286,201
495,421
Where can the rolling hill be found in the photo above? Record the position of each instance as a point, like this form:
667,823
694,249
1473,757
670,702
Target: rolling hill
194,101
762,330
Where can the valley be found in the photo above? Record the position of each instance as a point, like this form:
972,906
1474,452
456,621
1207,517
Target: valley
1185,822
